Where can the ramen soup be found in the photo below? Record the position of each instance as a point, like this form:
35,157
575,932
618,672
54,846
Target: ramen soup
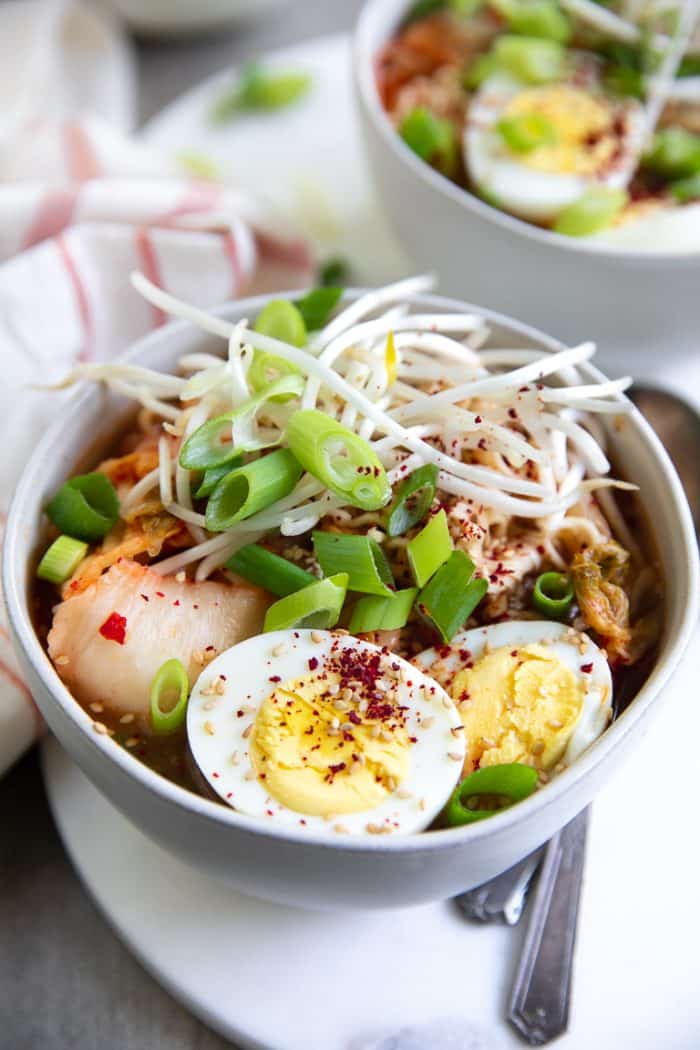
367,571
579,118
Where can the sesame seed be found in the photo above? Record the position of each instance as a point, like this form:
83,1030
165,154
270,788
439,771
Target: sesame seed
209,728
316,637
341,829
235,758
427,722
341,705
385,735
100,728
250,775
332,731
180,576
125,719
61,661
347,727
391,784
374,829
421,804
347,696
131,742
334,689
374,731
247,731
279,650
446,702
362,706
403,793
246,709
209,706
335,723
97,708
361,758
455,756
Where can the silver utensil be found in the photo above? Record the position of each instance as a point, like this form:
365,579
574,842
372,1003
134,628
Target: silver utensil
539,1002
501,899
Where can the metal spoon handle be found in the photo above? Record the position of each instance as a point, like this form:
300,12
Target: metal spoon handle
539,1002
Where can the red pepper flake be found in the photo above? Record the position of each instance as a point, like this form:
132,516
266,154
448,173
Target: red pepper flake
176,602
160,594
313,663
478,419
269,813
512,413
354,718
274,678
215,776
145,597
586,668
338,767
114,628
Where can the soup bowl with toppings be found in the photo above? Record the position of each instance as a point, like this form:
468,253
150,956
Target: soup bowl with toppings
349,601
507,140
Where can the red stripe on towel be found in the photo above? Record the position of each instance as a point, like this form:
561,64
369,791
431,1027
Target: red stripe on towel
81,160
150,267
81,297
53,215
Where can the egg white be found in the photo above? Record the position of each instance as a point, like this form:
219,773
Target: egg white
242,676
537,196
571,648
667,229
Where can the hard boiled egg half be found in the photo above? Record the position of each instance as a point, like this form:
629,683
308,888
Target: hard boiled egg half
318,729
528,691
534,150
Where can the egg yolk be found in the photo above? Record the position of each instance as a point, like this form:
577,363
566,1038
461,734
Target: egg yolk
518,705
586,141
310,759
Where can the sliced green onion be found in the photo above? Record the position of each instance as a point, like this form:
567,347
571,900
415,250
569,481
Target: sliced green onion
624,81
553,595
223,439
318,605
251,488
543,19
317,306
433,139
280,319
526,132
334,271
674,153
268,368
345,463
213,476
257,90
265,569
529,59
478,70
511,782
169,694
685,190
360,557
592,212
429,549
382,614
61,559
412,500
451,596
85,507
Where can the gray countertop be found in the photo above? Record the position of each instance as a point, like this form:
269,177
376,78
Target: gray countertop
66,982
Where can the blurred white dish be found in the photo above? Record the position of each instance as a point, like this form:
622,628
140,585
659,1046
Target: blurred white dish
188,16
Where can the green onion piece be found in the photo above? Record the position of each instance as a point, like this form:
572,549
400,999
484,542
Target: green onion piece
451,596
429,549
213,476
553,595
210,445
169,694
511,782
268,368
674,153
382,614
479,70
345,463
527,132
251,488
592,212
624,81
318,605
412,500
685,190
317,306
421,9
334,272
85,507
535,18
61,559
268,570
257,90
529,59
431,138
281,320
360,557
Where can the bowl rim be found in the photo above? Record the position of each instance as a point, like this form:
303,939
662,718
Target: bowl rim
24,508
364,54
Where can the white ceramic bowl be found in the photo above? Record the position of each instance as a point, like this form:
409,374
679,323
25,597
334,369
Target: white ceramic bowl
287,865
180,17
627,301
